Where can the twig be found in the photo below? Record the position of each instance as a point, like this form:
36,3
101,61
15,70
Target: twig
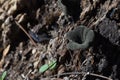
84,62
26,33
89,58
68,73
104,77
82,73
84,77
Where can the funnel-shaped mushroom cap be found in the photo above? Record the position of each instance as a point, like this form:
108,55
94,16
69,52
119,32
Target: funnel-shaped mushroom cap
80,38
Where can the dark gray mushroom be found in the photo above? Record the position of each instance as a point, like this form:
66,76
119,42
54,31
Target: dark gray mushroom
80,38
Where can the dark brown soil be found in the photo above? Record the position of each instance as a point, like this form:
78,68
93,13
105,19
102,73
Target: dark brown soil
36,31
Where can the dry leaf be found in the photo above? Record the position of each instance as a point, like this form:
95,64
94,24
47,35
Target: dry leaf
22,18
12,9
61,69
6,50
1,64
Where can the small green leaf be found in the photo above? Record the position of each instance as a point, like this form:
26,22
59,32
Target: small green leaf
43,68
3,75
50,66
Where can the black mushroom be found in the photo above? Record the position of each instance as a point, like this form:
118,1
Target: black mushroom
80,38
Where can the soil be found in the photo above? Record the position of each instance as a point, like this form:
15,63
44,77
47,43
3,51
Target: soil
33,32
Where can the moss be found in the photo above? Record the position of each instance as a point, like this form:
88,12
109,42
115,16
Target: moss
80,38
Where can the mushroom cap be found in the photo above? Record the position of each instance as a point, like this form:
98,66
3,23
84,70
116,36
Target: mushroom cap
80,38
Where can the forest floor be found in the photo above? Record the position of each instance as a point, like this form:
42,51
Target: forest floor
33,33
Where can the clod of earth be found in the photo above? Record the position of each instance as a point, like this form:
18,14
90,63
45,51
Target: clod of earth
80,38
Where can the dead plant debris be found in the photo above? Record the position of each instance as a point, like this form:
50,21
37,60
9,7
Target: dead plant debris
22,53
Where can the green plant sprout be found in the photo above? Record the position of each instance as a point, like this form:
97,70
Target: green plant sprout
50,66
2,77
80,38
